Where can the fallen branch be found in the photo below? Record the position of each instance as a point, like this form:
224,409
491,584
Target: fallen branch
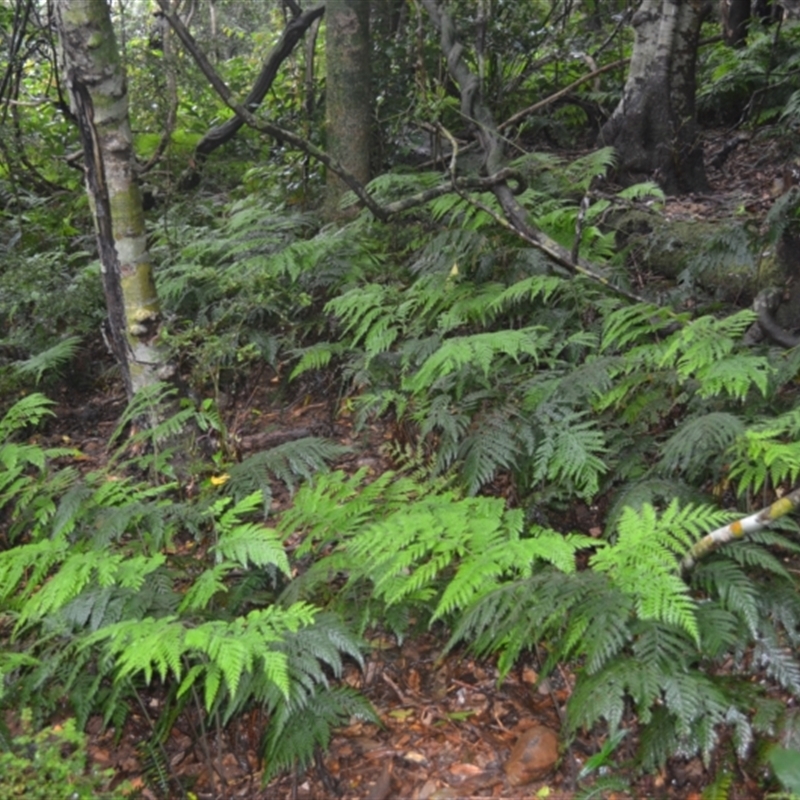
741,527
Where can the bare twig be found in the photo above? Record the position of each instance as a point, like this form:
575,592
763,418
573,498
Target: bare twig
520,115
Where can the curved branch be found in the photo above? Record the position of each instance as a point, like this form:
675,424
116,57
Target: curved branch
486,131
218,136
765,305
520,115
260,125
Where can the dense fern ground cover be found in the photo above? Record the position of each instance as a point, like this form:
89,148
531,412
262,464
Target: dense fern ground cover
147,590
417,485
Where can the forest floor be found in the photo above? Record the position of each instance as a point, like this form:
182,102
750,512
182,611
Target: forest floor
447,728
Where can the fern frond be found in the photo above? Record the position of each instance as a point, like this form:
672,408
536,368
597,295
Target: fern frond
726,580
290,462
582,171
315,357
700,344
633,324
491,446
536,287
51,359
28,410
642,191
296,732
777,660
698,441
480,352
643,561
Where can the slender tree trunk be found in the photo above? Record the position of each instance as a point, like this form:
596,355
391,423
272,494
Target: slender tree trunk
96,83
654,128
348,94
735,16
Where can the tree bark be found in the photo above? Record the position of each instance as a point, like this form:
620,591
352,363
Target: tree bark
97,88
348,95
735,17
654,128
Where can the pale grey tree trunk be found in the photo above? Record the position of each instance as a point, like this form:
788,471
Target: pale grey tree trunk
654,128
95,79
348,93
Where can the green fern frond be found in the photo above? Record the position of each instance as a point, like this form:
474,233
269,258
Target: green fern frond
719,629
699,440
315,357
51,359
582,171
253,544
657,492
777,660
642,191
768,450
735,376
28,410
209,583
727,581
703,342
290,462
568,451
536,287
602,695
295,733
598,628
479,351
643,562
633,324
492,445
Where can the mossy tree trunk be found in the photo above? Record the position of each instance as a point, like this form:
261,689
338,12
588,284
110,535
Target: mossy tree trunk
348,94
95,79
654,128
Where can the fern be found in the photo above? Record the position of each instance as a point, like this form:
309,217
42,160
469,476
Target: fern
51,359
299,731
478,351
633,324
698,441
567,451
642,561
289,462
768,450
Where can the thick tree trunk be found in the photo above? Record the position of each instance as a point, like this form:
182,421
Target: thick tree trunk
96,82
348,95
654,127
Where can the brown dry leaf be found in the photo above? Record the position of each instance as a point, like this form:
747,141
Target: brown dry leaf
465,770
529,675
415,757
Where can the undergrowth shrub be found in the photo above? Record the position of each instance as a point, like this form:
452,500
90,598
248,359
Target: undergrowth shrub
109,584
50,764
506,369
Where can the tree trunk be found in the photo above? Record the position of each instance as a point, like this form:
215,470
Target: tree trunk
348,95
654,127
96,83
735,16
